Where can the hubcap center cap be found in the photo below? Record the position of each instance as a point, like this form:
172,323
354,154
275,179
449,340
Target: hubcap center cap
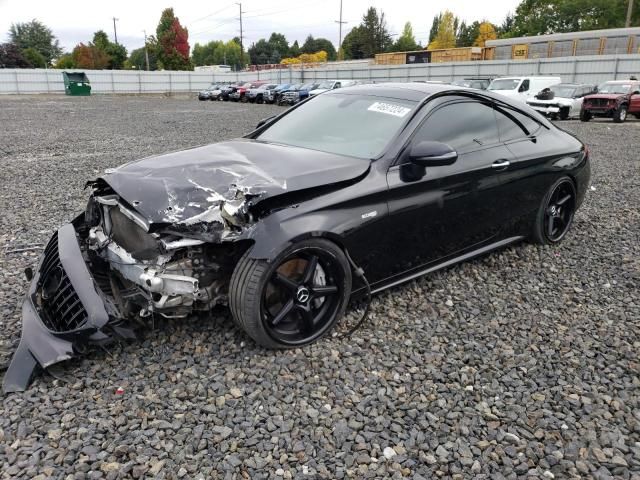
303,295
554,210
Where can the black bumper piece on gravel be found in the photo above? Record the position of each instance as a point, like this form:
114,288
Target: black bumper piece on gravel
62,308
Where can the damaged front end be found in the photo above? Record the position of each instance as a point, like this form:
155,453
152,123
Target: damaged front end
110,271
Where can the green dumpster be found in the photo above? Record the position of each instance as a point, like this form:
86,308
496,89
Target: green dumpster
76,83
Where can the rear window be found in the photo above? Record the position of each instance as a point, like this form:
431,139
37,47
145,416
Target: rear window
504,84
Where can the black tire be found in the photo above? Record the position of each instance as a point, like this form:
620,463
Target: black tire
564,113
244,99
259,99
556,212
637,115
620,115
271,307
585,116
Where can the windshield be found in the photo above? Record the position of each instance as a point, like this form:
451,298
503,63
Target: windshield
308,86
327,85
563,91
504,84
614,88
355,125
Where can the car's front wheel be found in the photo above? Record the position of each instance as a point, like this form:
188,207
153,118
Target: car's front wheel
564,113
585,116
294,300
556,212
620,115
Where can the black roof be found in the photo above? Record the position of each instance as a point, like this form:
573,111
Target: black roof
415,91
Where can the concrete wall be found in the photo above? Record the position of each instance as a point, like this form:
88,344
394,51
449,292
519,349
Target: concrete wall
589,69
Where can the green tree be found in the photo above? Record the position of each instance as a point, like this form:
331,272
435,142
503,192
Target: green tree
536,17
294,50
434,27
467,34
173,43
138,61
407,41
207,54
313,45
117,53
446,35
260,52
34,57
65,61
368,38
36,35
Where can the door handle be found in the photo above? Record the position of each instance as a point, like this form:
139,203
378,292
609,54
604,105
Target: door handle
500,164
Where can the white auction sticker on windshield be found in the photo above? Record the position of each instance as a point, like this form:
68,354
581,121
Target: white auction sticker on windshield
389,109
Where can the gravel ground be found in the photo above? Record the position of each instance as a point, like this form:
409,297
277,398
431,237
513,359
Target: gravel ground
521,364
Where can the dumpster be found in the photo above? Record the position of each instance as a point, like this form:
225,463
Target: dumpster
76,83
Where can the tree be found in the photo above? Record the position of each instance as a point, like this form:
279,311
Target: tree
434,27
36,35
467,34
368,38
173,42
313,45
406,42
117,53
536,17
34,57
65,62
208,54
294,51
89,57
279,47
486,31
446,35
506,30
259,52
12,57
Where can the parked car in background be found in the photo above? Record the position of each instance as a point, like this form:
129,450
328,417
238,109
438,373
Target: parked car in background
562,101
293,96
479,83
257,94
271,96
208,92
225,93
614,99
240,94
521,88
331,85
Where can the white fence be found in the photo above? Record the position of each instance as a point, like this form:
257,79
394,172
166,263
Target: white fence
587,69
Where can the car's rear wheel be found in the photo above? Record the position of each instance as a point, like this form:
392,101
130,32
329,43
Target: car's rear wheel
556,212
294,300
620,115
564,113
585,116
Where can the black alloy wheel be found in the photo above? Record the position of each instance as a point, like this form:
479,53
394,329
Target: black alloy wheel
296,299
556,213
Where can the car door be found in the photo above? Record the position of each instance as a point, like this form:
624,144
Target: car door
439,212
528,177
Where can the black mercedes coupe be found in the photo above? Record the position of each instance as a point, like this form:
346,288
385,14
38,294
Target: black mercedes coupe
358,189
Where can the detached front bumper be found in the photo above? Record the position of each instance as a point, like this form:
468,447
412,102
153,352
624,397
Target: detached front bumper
547,109
64,308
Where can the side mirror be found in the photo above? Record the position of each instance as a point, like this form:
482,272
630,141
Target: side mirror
264,121
432,154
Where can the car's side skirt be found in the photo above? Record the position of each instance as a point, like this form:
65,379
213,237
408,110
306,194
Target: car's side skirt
450,262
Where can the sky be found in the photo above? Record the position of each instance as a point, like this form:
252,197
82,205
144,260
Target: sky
74,21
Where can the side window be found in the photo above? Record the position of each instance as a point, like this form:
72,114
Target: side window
465,126
337,85
525,86
514,125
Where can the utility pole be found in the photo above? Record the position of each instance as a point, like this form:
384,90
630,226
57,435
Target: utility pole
115,32
340,22
241,47
629,13
146,52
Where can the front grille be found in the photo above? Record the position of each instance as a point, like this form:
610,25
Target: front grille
61,308
599,102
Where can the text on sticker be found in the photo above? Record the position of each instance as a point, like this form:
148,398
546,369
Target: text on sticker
389,109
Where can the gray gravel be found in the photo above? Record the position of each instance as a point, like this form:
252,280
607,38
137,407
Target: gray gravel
521,364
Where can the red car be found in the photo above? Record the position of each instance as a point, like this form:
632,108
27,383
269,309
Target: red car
615,99
240,94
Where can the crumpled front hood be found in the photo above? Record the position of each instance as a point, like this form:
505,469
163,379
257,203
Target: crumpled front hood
607,96
191,186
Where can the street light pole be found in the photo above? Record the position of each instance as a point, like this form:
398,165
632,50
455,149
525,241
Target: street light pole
241,46
340,22
629,13
115,32
146,52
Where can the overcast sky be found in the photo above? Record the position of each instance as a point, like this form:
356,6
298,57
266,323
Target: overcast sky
75,21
